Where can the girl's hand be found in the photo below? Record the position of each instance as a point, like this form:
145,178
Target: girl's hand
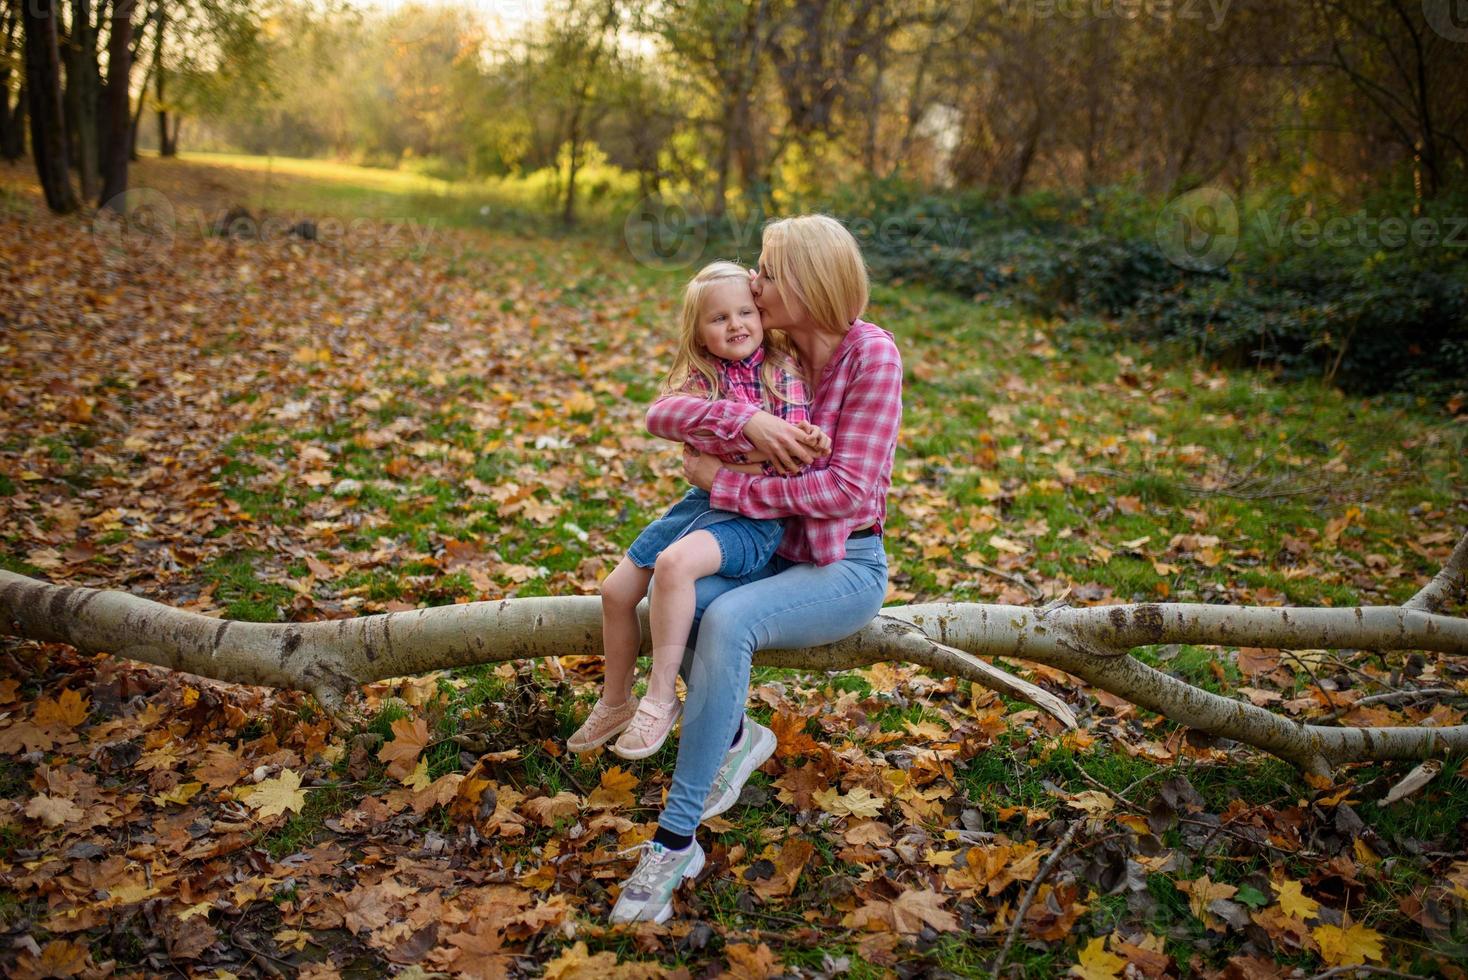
786,445
700,468
816,439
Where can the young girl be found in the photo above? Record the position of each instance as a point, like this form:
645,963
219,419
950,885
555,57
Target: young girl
723,353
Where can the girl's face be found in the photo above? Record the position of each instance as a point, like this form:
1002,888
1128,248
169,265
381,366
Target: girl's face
779,307
729,325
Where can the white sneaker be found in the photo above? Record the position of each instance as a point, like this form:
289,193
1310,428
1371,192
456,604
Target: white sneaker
647,895
743,759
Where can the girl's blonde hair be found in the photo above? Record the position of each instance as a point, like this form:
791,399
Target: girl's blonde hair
693,370
818,260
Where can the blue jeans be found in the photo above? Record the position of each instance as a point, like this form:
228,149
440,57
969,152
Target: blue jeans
783,605
745,544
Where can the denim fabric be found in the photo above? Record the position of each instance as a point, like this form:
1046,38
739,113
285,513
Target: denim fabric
745,543
781,605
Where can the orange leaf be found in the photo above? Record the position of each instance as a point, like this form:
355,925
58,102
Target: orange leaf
401,754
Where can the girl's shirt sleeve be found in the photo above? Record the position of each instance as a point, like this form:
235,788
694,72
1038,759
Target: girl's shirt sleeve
861,447
715,427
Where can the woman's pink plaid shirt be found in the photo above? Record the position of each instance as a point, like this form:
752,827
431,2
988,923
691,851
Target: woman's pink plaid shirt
858,403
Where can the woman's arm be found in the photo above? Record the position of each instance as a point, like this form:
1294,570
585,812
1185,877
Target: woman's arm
724,428
871,414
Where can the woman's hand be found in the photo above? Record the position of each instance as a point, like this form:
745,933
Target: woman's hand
817,439
700,468
787,446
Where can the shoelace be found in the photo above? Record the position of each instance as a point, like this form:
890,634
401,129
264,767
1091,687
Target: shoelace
652,858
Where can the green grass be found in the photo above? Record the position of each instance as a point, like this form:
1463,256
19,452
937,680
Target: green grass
1030,431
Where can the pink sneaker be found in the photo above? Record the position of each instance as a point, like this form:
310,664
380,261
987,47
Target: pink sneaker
603,723
649,728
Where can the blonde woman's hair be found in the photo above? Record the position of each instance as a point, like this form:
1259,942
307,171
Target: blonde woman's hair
815,257
693,370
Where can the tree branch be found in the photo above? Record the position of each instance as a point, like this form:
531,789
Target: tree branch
330,659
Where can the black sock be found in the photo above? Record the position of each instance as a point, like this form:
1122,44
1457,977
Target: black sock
738,734
670,840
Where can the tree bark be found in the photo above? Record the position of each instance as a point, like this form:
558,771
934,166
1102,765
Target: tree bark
117,113
12,138
83,90
330,659
166,145
48,118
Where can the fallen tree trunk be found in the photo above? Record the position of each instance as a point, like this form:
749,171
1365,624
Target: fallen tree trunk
331,659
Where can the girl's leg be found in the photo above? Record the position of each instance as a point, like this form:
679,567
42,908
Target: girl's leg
679,568
805,605
621,633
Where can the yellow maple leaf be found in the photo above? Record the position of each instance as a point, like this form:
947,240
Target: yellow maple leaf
292,939
858,803
1201,892
577,963
915,908
1096,963
275,796
1093,801
53,811
615,790
546,810
180,794
1294,901
747,962
67,711
419,778
1347,945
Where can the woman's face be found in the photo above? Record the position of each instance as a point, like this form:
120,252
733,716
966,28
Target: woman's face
779,307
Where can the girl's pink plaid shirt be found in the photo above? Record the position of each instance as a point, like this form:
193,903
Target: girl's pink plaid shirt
857,402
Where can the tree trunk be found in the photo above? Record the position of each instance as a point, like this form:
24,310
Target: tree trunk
48,119
117,108
12,134
330,659
11,138
83,89
166,145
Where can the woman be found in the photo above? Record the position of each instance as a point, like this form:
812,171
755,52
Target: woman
829,576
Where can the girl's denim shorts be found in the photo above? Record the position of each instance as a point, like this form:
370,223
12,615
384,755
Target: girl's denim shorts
746,544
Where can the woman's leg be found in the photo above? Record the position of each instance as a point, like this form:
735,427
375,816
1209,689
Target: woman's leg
679,568
805,605
621,633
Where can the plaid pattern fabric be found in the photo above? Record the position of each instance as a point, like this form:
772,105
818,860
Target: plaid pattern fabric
858,403
739,382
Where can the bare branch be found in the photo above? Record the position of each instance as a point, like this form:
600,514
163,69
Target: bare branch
1450,581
